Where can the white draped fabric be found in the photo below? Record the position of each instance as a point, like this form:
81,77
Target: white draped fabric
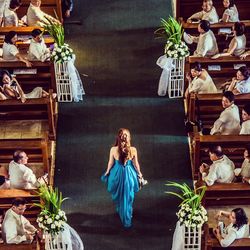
179,237
167,65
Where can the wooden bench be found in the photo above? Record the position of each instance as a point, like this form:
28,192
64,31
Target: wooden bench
227,67
211,243
32,246
233,146
207,107
44,76
48,6
32,109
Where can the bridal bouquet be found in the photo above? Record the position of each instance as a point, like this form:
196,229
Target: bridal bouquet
192,213
62,53
171,31
51,218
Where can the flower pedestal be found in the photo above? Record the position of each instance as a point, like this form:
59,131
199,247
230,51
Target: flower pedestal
63,82
55,242
192,238
176,79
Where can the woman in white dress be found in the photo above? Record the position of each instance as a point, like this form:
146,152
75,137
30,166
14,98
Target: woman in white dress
10,17
239,84
200,81
245,126
10,51
4,4
231,13
237,229
13,90
237,45
244,170
208,13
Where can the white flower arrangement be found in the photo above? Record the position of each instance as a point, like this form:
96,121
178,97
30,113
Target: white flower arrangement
51,218
62,53
171,31
51,223
191,218
192,213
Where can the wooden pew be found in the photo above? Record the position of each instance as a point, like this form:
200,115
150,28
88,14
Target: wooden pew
44,77
48,6
38,151
207,107
32,109
227,64
233,146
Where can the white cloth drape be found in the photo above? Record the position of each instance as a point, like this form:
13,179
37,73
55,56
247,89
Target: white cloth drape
179,237
77,86
166,64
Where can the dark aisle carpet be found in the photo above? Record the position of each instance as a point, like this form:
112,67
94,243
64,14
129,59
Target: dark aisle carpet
116,49
86,132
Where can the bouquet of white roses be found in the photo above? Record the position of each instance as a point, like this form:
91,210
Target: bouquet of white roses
191,218
62,53
176,50
51,223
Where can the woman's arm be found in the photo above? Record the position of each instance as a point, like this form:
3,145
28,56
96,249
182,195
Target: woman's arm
136,163
225,17
20,91
22,59
111,161
10,91
230,51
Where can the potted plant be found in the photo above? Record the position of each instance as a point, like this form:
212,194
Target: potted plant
173,61
191,216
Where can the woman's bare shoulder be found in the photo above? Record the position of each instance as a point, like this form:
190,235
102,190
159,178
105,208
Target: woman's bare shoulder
114,149
133,149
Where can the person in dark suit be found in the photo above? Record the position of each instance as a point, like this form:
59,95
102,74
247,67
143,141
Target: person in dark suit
67,7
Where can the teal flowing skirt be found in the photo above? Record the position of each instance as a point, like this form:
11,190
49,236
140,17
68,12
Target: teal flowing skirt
122,183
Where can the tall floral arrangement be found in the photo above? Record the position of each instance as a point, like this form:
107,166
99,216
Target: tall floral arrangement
192,213
171,31
62,52
51,218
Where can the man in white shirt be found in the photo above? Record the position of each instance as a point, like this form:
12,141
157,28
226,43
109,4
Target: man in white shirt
222,169
229,121
38,49
206,41
36,15
208,13
16,228
21,177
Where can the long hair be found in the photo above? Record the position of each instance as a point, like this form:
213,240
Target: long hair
123,141
241,218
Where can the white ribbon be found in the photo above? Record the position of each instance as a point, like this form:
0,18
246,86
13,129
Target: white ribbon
77,87
166,63
179,237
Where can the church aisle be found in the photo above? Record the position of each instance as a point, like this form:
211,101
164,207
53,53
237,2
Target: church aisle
85,133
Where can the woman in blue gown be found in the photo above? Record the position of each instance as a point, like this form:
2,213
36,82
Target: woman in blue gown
122,174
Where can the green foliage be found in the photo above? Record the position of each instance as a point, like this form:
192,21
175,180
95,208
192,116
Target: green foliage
171,30
55,29
51,199
188,196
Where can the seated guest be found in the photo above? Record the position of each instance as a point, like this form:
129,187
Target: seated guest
4,4
231,13
1,221
38,49
4,182
10,15
229,121
67,7
244,171
21,177
16,228
35,15
10,51
208,13
237,229
206,41
13,90
222,169
200,81
245,126
237,45
239,84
